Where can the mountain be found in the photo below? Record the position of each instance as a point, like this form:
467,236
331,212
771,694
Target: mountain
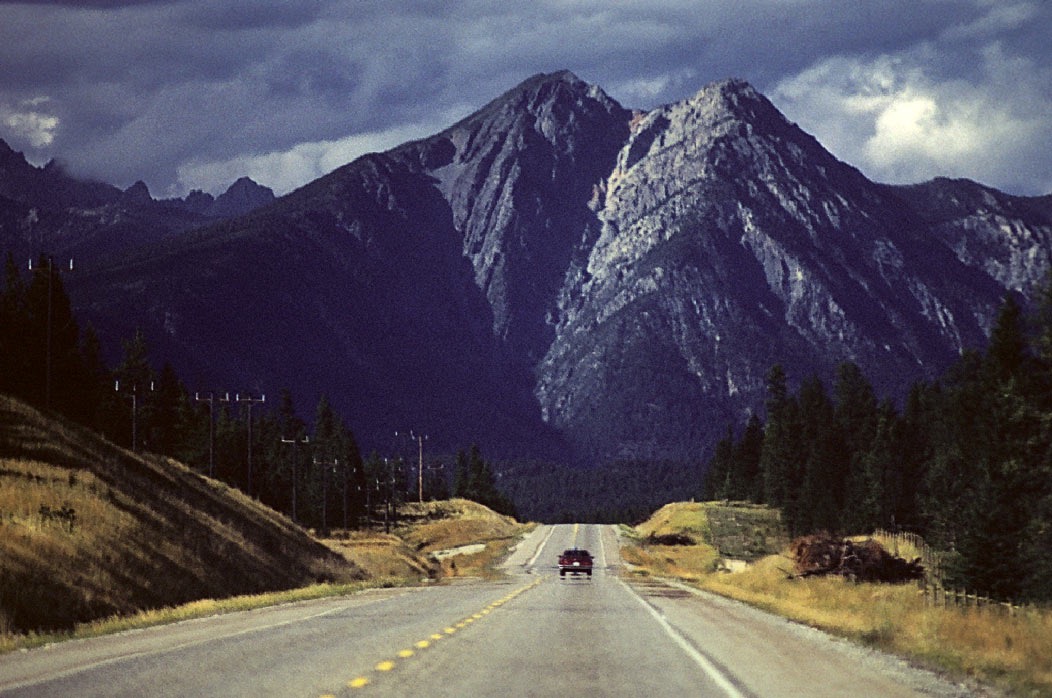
44,209
242,197
559,277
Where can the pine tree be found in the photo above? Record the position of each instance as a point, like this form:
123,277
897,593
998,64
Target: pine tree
460,475
719,473
14,331
746,459
293,455
169,425
1037,542
52,339
777,459
326,455
96,389
784,451
856,417
820,501
134,381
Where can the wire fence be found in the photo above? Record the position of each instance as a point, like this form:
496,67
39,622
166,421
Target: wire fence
933,587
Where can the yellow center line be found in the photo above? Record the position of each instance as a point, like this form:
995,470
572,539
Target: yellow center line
388,665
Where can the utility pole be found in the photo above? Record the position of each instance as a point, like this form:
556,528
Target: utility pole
250,401
420,469
135,411
50,284
295,462
211,399
325,465
419,438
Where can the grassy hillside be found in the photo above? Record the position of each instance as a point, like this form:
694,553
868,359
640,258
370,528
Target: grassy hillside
734,530
1010,650
89,530
468,538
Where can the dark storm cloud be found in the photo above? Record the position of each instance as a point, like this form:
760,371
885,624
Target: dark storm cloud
195,93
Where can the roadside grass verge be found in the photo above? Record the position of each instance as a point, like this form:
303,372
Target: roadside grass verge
96,539
389,560
89,530
204,608
1010,652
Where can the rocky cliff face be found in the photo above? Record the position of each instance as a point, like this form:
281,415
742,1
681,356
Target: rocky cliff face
519,177
557,266
730,241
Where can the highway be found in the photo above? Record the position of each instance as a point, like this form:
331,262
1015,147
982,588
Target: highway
531,634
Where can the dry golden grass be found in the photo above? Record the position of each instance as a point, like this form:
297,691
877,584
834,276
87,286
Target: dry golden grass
1011,651
383,555
436,526
89,530
94,538
680,517
687,562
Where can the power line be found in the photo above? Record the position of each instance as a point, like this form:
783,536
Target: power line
250,401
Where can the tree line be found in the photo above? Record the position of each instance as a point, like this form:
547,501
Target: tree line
314,473
966,462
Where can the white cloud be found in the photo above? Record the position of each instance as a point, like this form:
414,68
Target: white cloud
899,122
1001,15
286,170
27,121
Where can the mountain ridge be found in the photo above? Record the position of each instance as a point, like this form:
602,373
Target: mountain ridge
559,276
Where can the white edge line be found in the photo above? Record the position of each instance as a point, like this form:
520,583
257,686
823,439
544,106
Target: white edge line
602,548
551,530
717,676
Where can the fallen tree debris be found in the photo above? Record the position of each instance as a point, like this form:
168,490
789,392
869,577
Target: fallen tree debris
865,561
670,539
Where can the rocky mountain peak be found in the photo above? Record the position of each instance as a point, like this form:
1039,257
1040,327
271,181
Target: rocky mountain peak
243,196
137,194
10,156
519,175
630,277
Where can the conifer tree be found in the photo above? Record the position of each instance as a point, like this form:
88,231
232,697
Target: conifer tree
782,454
856,417
52,339
746,459
1037,543
135,380
170,417
820,499
14,330
719,475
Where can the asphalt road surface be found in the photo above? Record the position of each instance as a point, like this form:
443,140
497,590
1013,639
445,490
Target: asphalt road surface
532,634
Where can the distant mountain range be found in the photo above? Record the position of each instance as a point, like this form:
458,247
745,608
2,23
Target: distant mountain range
554,277
45,209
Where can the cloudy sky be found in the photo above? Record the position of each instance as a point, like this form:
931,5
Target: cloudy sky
192,94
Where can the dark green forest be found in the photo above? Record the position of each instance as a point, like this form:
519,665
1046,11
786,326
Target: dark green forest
313,473
966,462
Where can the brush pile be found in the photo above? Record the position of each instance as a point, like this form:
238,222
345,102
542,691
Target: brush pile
670,539
866,561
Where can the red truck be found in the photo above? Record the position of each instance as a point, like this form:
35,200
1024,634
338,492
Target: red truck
575,561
